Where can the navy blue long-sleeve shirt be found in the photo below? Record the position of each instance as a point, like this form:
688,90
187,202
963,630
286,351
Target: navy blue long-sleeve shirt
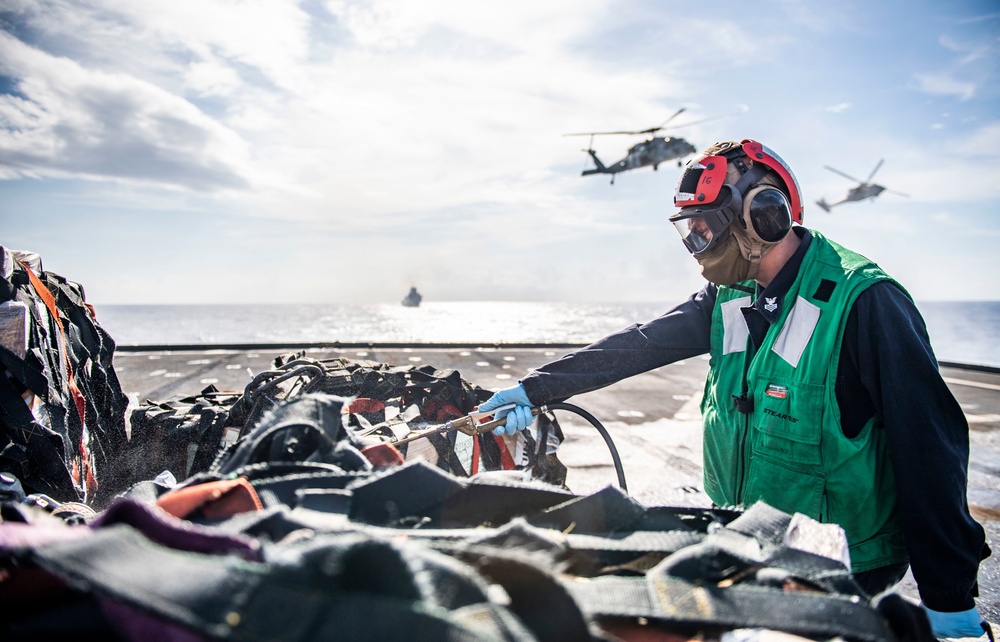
887,369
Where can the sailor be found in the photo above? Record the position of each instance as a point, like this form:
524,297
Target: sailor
823,395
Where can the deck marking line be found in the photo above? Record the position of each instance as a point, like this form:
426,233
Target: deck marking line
974,384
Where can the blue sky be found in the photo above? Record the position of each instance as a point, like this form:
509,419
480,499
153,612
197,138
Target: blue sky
193,151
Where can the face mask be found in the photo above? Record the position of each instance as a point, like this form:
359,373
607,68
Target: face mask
726,264
738,258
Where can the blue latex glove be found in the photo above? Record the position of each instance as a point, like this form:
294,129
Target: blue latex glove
517,419
961,624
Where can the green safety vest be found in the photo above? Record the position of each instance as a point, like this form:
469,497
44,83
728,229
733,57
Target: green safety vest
790,450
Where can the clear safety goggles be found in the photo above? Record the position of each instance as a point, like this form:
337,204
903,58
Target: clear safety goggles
698,232
703,227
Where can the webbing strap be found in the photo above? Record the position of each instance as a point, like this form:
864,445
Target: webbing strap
679,602
537,597
50,302
42,467
221,499
476,455
85,478
506,461
616,545
296,597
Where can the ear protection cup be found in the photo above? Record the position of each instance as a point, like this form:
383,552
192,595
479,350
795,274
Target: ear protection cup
766,213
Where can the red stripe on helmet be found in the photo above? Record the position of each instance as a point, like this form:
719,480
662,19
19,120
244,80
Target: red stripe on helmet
761,154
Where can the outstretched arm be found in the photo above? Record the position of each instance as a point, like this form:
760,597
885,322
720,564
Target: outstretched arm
681,333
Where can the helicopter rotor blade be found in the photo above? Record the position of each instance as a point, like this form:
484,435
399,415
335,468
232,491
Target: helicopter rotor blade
872,175
664,123
602,133
705,120
650,130
837,171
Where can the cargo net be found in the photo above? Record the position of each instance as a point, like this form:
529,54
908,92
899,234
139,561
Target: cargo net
383,403
295,535
62,409
299,520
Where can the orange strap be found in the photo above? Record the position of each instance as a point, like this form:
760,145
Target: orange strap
506,461
383,455
50,303
363,405
216,500
81,404
474,466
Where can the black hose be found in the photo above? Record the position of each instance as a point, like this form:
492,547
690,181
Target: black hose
601,429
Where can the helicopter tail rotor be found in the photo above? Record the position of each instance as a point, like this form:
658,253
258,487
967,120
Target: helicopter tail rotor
823,205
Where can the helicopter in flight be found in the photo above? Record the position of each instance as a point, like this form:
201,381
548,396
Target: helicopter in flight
652,151
864,189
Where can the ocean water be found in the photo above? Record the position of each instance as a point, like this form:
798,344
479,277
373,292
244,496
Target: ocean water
962,332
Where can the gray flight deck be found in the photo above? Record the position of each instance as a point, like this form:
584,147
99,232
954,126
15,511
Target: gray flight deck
653,418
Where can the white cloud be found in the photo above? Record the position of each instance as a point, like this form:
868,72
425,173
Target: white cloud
517,25
471,116
211,79
978,143
268,36
447,101
942,85
944,216
972,67
69,121
972,51
838,108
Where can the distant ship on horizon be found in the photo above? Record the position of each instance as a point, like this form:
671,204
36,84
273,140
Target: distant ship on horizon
412,299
